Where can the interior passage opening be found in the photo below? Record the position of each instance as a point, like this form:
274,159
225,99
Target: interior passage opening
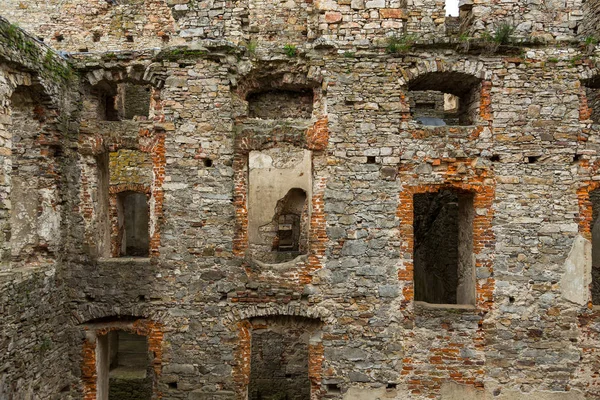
124,367
123,101
280,359
443,247
595,199
133,214
279,204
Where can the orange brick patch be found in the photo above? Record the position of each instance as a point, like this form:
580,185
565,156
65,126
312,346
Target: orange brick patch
396,13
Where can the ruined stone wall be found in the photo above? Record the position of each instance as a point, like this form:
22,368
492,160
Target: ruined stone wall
34,82
130,167
97,25
33,337
529,163
547,21
591,16
202,289
101,25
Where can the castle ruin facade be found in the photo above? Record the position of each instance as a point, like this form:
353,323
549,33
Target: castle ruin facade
299,200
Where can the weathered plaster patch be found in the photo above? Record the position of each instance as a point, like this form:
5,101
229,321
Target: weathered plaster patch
575,281
272,174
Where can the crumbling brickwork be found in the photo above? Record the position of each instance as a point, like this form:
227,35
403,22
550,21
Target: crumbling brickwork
250,187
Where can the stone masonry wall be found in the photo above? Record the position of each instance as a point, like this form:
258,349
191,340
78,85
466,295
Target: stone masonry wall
82,25
34,81
32,337
529,162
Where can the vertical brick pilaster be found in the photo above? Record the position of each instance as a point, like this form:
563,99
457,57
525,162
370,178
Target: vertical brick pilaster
318,232
585,112
316,355
241,370
240,201
485,101
159,161
88,370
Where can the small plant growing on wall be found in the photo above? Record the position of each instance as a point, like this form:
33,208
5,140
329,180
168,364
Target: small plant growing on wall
503,35
251,46
400,44
464,41
45,345
590,44
504,32
290,50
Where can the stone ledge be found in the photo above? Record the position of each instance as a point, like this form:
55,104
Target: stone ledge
450,307
124,260
127,373
281,266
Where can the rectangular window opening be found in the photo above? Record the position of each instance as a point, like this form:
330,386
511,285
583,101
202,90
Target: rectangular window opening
593,102
110,111
133,218
443,247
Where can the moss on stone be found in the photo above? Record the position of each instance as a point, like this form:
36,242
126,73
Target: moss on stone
47,63
178,54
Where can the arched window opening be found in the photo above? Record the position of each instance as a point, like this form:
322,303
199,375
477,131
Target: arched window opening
443,247
123,366
133,216
445,98
595,200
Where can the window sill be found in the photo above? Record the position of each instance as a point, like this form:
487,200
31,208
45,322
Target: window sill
450,307
127,373
125,260
284,265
